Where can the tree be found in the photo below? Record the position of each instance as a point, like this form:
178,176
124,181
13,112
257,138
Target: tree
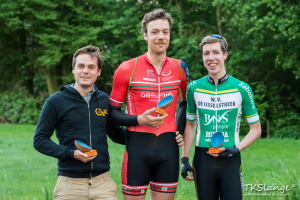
264,51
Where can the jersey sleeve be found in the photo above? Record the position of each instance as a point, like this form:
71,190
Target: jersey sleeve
185,79
191,114
248,104
120,84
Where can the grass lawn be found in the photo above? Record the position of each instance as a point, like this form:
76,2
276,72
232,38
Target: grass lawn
27,174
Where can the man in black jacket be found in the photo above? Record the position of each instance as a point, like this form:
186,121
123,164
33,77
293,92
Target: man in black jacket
80,112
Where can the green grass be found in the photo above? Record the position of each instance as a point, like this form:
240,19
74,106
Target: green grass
27,174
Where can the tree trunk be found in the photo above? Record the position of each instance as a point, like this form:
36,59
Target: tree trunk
219,19
51,80
27,71
29,80
179,24
65,71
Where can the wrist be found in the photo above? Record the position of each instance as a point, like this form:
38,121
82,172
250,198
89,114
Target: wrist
139,119
70,154
238,148
184,159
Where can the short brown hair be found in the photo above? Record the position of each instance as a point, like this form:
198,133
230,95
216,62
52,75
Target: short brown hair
211,39
93,51
154,15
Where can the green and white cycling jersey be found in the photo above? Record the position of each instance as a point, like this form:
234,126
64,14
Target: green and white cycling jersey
218,107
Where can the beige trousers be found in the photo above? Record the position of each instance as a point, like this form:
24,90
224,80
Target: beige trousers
99,187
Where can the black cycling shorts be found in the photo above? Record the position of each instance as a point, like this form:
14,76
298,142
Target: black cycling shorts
217,177
150,158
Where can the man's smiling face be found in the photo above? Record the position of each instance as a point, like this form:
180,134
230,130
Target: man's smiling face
86,70
213,59
158,36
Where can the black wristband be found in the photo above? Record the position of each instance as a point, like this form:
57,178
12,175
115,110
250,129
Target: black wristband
184,159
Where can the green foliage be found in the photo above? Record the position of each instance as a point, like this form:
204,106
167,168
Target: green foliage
38,39
20,107
263,51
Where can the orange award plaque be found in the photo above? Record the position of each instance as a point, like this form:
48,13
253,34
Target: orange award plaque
164,103
85,149
217,141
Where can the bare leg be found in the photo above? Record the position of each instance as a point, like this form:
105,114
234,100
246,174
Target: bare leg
161,196
129,197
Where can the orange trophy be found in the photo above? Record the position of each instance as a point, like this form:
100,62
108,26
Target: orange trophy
217,141
164,103
85,149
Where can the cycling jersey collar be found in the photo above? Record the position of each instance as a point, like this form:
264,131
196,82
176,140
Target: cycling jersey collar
220,81
148,61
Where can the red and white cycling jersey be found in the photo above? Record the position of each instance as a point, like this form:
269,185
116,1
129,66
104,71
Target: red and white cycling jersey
148,87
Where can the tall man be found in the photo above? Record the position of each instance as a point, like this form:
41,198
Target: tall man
152,154
216,102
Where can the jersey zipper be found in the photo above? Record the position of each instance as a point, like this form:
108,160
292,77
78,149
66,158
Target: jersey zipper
158,77
158,74
90,133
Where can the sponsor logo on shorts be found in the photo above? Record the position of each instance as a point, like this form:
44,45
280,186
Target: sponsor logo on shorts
100,112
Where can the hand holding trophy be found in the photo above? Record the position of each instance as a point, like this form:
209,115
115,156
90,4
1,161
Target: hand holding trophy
164,103
85,148
217,141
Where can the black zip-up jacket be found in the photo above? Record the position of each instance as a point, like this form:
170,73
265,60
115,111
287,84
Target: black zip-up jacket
73,118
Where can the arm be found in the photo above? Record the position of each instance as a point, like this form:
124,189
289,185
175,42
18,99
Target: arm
252,117
123,119
120,118
181,117
42,138
189,135
188,138
115,133
254,134
181,111
44,130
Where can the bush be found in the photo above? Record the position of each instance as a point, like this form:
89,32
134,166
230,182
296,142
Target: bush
286,126
20,107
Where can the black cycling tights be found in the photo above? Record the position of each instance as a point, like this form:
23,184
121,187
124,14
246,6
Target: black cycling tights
217,177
